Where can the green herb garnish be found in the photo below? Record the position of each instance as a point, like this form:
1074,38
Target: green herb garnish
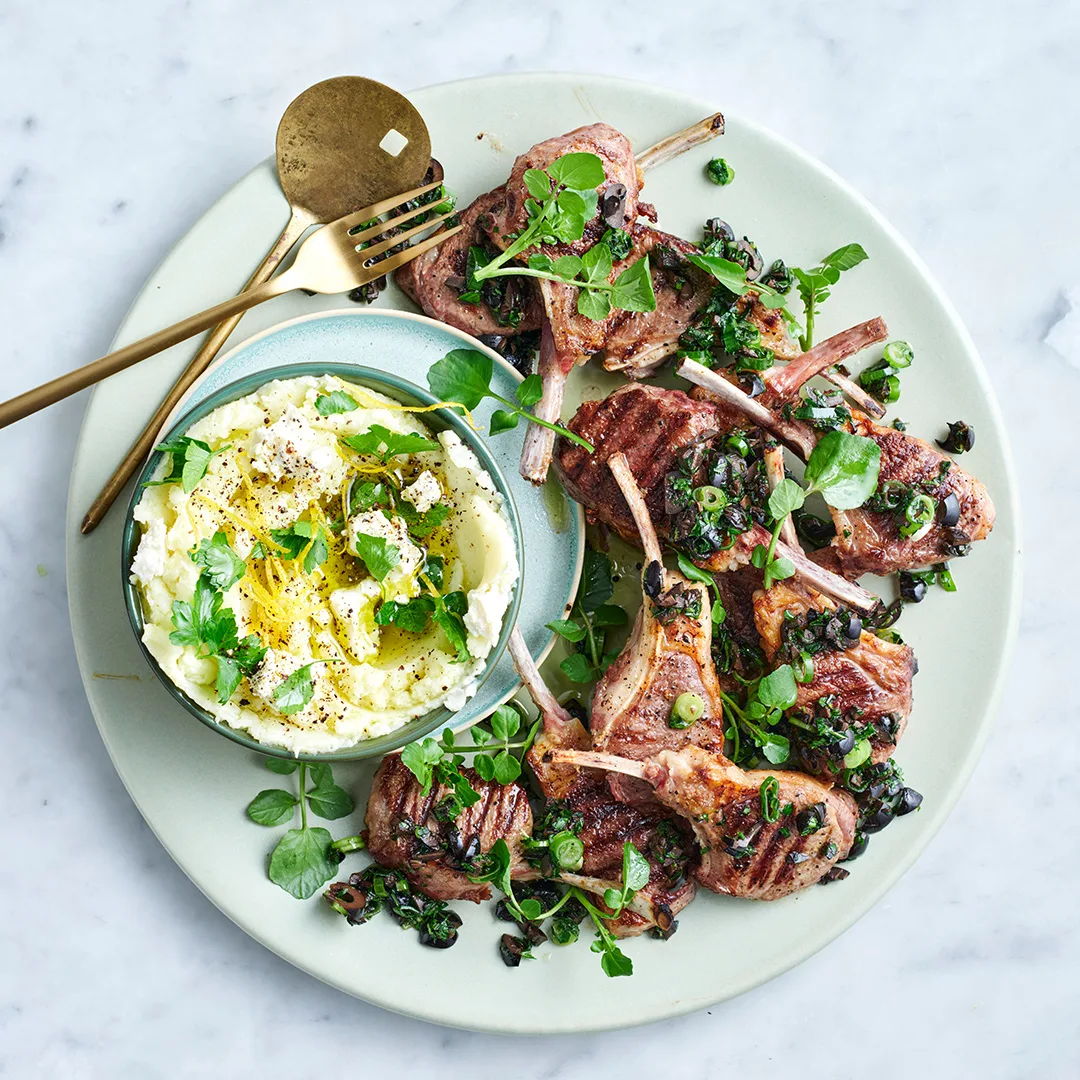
816,284
385,444
190,460
720,172
335,402
221,566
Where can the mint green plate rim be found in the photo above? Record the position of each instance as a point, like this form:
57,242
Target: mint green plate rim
402,391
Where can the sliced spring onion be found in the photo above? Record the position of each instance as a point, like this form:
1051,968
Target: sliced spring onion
918,515
737,443
688,709
803,667
857,755
898,354
710,498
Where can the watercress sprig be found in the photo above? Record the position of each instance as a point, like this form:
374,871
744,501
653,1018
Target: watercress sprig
766,700
816,284
591,617
463,378
304,859
843,468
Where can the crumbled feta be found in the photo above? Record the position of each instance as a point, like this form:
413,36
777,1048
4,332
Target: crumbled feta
464,459
424,492
275,668
392,530
484,619
290,446
149,561
354,610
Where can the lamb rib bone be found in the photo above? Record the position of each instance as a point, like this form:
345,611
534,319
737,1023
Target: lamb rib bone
539,442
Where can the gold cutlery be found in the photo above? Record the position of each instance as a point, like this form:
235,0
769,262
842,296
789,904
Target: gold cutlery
328,261
331,158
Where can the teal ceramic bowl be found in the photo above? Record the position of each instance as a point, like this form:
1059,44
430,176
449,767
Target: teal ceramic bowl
399,390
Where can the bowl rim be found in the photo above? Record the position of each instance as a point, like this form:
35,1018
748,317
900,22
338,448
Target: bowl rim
392,386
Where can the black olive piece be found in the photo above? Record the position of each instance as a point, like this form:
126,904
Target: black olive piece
796,857
877,789
755,264
654,580
853,628
814,530
752,383
737,517
858,846
665,924
503,913
811,819
721,473
511,948
533,934
846,744
613,205
912,589
961,438
910,800
957,543
455,842
718,229
835,873
438,942
883,817
949,510
492,341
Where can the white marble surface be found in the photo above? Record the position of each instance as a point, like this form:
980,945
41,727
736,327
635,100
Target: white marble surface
121,123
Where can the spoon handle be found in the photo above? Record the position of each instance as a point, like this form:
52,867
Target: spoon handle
71,383
141,447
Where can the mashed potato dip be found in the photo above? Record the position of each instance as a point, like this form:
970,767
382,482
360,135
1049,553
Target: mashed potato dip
317,567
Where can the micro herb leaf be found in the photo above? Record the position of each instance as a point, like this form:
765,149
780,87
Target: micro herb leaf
787,496
530,391
579,171
272,807
778,689
636,871
502,420
204,623
335,402
577,668
221,566
447,616
815,284
596,585
294,692
190,460
411,615
282,766
386,444
632,289
844,469
301,863
377,554
420,759
844,258
421,526
330,801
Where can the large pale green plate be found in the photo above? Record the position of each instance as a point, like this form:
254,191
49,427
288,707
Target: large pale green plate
192,785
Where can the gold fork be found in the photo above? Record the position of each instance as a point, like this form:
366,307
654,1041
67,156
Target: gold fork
328,261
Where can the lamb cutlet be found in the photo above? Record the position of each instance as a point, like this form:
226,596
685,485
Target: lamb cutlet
665,434
744,854
605,824
861,684
868,539
408,830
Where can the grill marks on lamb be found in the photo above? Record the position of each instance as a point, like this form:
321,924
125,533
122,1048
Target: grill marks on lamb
870,679
437,864
607,824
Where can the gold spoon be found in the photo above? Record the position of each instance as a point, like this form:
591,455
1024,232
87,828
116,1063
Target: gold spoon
336,151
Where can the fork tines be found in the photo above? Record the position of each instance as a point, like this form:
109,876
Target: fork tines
361,217
387,265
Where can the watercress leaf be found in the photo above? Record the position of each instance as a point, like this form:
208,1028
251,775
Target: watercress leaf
578,170
507,767
778,689
566,266
294,692
272,807
596,263
484,766
419,758
844,469
615,962
531,909
543,263
330,802
596,586
321,774
567,628
480,735
730,274
844,258
609,615
505,722
537,183
593,304
577,668
632,290
694,573
779,569
282,766
591,199
786,497
337,401
776,748
530,391
636,869
462,375
377,554
221,565
759,556
502,420
301,862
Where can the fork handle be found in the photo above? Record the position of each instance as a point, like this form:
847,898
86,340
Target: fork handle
65,385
